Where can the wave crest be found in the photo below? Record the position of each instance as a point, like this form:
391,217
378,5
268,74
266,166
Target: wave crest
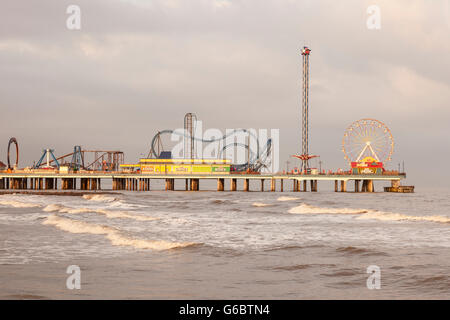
112,234
308,209
260,204
388,216
99,198
367,214
287,198
108,213
19,204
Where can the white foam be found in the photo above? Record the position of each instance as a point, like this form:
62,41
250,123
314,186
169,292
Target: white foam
108,213
19,204
308,209
76,226
112,234
366,214
99,198
389,216
124,214
118,240
287,198
260,204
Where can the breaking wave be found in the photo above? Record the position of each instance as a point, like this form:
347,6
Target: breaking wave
308,209
287,198
99,198
388,216
108,213
19,204
367,214
112,234
260,204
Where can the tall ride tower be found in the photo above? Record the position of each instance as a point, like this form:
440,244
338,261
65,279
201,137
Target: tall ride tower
189,131
305,152
305,156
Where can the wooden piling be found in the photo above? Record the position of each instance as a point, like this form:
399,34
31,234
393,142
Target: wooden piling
370,186
246,185
220,184
364,186
195,184
313,185
343,186
233,184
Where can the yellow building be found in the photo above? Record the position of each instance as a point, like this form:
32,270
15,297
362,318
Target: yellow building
180,166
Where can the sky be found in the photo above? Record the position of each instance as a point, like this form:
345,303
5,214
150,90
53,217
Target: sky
138,66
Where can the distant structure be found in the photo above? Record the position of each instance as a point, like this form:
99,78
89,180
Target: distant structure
77,161
368,145
189,145
305,156
46,154
11,141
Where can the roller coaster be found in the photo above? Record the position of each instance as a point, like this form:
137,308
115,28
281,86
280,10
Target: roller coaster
255,162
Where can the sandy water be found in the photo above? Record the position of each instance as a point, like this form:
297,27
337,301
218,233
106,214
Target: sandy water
193,245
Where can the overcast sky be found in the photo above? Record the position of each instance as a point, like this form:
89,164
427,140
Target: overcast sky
137,66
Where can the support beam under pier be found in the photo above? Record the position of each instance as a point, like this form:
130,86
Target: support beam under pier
220,184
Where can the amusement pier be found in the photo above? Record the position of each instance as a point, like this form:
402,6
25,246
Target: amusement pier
367,146
142,182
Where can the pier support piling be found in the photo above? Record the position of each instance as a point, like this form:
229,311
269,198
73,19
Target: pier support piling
343,186
246,185
220,184
233,183
370,186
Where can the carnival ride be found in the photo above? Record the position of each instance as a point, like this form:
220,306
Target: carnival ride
256,160
101,160
11,141
368,145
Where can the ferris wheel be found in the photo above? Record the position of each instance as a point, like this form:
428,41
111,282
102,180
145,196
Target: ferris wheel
368,138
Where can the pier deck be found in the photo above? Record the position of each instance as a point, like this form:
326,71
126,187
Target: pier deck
141,181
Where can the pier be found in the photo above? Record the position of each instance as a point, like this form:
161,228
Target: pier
191,182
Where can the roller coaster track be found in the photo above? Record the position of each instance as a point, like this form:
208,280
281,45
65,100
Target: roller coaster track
255,162
11,141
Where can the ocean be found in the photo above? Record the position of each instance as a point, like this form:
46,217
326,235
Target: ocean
226,245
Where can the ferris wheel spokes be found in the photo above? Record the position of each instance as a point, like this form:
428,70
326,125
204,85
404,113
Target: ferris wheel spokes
368,138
